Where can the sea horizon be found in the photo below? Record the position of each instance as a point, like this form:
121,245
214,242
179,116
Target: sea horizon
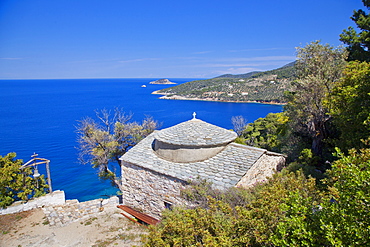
108,78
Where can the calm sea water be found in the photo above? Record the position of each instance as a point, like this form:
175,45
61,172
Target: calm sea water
41,116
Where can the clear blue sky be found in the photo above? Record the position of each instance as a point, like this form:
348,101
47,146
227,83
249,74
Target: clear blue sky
42,39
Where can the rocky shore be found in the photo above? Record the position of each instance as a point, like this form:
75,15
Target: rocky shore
177,97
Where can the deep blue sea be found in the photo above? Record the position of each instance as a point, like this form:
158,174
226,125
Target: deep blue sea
41,116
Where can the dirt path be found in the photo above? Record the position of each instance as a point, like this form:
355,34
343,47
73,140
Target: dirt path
31,228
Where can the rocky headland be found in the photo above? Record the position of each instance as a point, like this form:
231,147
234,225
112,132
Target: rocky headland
267,87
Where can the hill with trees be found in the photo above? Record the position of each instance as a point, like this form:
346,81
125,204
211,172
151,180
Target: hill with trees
318,199
268,87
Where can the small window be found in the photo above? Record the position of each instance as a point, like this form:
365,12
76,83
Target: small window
168,205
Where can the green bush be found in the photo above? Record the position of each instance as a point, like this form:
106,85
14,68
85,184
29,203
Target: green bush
244,217
287,210
268,132
346,210
342,217
17,184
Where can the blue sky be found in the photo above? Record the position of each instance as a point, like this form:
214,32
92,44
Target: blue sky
41,39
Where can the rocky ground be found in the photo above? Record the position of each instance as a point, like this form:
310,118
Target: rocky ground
107,227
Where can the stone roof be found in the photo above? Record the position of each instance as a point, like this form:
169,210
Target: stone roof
224,170
196,133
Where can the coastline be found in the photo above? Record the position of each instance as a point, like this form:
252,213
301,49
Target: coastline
177,97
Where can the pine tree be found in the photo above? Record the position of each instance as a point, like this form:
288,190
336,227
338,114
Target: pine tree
358,43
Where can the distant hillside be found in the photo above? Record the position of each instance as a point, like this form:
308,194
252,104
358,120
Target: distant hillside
268,86
285,71
247,75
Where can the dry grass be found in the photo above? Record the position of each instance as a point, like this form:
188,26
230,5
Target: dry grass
9,222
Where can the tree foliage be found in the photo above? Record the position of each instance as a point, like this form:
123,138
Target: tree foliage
268,132
16,183
341,219
318,67
103,141
350,105
287,210
228,221
307,121
358,42
346,208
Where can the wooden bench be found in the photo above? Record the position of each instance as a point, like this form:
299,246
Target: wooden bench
138,217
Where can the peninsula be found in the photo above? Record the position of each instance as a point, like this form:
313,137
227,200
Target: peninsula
162,81
262,87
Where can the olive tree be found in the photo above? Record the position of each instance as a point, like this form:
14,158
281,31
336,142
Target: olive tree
102,141
318,67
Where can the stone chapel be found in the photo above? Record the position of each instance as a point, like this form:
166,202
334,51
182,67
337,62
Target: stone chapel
158,167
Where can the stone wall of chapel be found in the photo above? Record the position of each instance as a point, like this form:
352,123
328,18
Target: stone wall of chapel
148,191
265,167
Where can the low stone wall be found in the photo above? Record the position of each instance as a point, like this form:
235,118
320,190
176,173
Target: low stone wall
149,191
52,199
73,210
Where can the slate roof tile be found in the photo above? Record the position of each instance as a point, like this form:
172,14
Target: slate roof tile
224,169
196,132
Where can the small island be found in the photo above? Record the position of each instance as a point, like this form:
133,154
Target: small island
162,81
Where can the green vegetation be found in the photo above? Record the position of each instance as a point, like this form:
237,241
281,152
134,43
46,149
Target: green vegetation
322,198
266,86
269,132
235,222
89,221
46,222
350,106
287,210
341,217
358,43
285,72
318,68
246,75
103,142
307,122
16,183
